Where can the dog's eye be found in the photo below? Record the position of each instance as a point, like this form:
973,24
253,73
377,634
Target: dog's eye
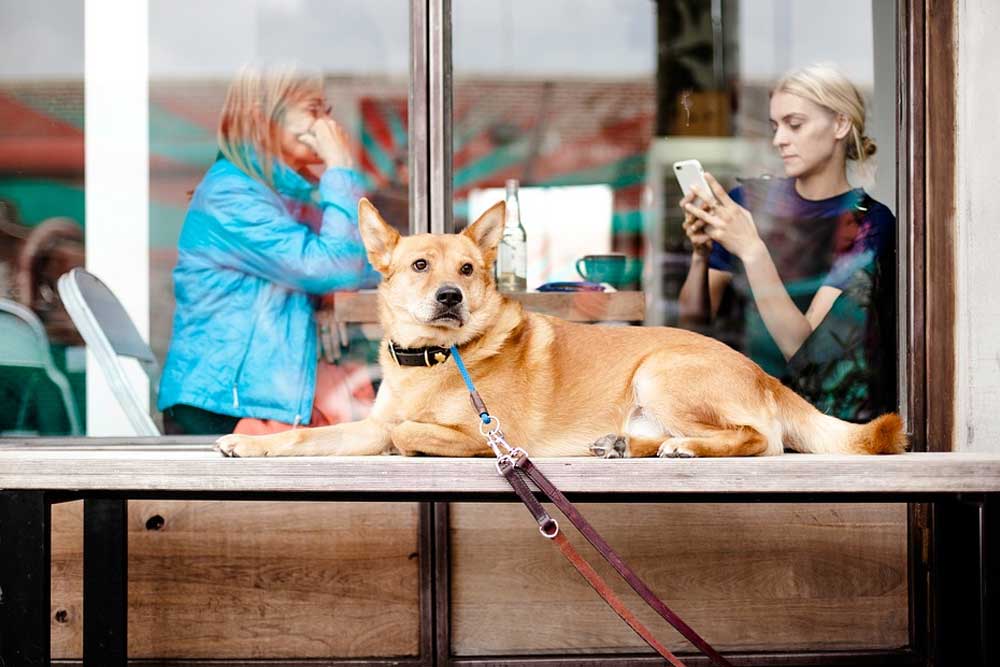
466,269
420,265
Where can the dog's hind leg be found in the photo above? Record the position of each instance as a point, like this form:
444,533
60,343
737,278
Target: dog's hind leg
685,409
613,446
737,441
639,436
715,441
412,438
643,447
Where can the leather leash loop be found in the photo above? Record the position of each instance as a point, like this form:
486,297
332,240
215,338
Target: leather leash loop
513,474
612,557
547,526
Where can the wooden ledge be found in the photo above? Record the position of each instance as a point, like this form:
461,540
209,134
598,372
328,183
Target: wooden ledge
158,465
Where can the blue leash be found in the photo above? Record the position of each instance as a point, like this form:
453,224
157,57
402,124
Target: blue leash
477,401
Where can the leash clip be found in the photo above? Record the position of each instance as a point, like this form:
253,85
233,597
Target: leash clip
492,431
509,459
506,455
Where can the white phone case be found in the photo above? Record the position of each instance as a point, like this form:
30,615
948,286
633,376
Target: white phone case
689,172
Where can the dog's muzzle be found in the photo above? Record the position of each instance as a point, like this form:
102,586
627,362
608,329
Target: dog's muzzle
449,300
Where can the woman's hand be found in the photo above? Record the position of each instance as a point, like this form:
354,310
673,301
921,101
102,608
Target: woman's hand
701,243
726,221
330,142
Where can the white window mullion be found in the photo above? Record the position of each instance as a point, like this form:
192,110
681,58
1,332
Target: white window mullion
116,126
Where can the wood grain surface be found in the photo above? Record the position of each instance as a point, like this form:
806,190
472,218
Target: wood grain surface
194,467
748,577
292,579
253,580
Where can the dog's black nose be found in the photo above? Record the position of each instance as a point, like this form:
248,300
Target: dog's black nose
449,296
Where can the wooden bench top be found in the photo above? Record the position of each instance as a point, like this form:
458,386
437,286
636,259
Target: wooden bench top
190,464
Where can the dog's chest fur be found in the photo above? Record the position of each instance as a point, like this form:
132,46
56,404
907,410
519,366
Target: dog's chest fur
434,395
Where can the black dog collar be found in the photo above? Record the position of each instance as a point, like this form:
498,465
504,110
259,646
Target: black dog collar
418,356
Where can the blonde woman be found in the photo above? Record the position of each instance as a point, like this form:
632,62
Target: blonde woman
808,260
262,239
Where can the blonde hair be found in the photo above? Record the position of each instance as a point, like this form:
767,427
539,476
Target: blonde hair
250,123
826,86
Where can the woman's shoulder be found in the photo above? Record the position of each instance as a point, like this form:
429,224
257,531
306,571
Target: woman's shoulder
225,177
225,186
878,217
877,224
875,210
226,195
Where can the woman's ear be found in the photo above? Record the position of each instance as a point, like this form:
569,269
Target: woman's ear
841,126
379,238
485,232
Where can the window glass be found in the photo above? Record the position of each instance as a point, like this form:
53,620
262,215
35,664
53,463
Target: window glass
267,121
588,106
42,380
778,100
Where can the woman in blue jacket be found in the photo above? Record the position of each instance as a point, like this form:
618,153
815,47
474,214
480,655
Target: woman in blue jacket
260,241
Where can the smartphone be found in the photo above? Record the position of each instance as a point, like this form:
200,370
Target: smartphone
688,173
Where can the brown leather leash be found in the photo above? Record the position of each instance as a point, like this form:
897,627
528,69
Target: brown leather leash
550,529
514,465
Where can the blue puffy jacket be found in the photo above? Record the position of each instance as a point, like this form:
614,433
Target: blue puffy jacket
244,340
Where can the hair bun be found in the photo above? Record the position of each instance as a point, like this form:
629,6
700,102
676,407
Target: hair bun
868,146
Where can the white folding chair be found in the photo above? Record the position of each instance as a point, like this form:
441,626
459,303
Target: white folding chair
26,345
110,334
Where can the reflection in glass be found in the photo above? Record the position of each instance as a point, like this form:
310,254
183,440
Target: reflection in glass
41,216
614,97
357,56
571,122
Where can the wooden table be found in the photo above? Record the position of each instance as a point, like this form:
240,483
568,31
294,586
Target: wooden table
105,473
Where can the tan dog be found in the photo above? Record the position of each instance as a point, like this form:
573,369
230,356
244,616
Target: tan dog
558,388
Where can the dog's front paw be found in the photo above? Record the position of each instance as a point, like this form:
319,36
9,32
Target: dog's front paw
674,450
240,446
611,446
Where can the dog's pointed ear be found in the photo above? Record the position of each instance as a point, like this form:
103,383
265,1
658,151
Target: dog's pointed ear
379,238
485,232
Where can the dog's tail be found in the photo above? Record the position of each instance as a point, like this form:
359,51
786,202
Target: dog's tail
806,429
